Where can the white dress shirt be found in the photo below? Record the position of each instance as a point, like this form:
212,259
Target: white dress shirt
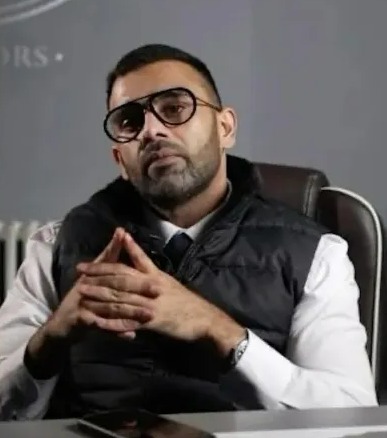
326,364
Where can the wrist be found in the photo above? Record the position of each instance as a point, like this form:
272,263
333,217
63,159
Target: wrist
225,334
53,331
44,354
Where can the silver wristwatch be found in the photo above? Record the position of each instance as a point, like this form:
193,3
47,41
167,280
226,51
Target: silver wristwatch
237,352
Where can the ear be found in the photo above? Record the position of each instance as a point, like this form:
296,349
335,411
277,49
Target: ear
117,156
228,123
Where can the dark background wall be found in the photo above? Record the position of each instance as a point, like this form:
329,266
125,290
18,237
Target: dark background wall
307,78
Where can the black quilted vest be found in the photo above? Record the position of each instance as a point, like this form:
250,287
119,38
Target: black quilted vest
252,262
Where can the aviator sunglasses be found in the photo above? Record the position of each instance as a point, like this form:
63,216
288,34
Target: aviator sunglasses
174,106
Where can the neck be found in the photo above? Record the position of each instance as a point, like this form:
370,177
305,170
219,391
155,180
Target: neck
198,207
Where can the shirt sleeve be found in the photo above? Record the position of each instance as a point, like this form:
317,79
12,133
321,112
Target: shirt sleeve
28,304
326,364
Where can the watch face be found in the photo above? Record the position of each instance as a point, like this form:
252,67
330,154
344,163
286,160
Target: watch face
236,353
240,349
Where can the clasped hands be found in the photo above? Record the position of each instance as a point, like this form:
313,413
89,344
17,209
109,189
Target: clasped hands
123,299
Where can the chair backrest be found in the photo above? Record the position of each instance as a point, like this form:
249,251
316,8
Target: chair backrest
298,187
352,217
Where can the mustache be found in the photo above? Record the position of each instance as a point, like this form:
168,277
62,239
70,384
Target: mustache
153,150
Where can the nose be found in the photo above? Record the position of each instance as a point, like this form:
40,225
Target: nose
153,128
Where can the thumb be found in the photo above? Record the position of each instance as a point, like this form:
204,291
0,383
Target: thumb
113,248
139,258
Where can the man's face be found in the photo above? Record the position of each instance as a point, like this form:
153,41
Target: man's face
170,164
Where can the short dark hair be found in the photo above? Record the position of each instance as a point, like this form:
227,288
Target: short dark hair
151,53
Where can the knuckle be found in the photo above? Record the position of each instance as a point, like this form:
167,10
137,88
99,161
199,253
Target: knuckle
118,282
114,295
114,308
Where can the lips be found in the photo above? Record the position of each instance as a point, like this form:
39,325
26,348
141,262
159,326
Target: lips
158,155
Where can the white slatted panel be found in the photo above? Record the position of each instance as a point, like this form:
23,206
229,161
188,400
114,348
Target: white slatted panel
13,236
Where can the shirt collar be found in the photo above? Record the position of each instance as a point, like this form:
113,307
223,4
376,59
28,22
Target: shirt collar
168,229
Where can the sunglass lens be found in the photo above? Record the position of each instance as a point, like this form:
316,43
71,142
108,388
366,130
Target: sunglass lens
126,122
174,106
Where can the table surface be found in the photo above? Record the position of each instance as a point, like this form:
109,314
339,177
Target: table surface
220,422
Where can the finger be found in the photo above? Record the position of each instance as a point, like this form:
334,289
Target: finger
111,252
119,284
113,248
140,260
127,335
89,319
107,294
118,310
105,268
118,325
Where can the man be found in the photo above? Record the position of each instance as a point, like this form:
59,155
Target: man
178,287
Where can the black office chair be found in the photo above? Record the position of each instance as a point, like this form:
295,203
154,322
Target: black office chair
352,217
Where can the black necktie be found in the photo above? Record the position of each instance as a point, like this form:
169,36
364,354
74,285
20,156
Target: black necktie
176,248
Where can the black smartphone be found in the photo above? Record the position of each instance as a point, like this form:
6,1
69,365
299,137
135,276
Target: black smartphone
137,424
